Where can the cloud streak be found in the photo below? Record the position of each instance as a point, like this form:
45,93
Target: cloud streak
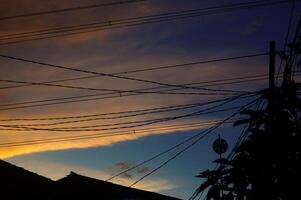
7,152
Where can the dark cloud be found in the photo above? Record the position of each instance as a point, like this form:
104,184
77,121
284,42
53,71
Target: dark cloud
127,176
124,165
143,170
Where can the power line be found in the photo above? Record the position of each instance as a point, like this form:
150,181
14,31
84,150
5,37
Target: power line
44,102
259,107
116,90
181,106
109,134
241,137
102,26
92,136
103,74
69,9
154,16
123,95
207,132
123,114
134,130
15,105
201,136
150,69
83,96
290,20
134,21
125,124
292,59
247,79
158,155
16,127
215,83
252,78
88,127
162,153
119,117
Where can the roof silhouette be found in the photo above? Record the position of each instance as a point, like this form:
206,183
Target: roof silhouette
18,183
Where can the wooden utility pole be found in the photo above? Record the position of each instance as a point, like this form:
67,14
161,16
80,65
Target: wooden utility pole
272,72
272,65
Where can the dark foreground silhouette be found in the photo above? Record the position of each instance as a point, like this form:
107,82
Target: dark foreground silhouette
265,161
18,183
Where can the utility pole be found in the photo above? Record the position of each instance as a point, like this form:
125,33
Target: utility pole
272,73
272,65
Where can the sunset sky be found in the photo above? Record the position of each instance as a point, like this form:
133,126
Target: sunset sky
117,50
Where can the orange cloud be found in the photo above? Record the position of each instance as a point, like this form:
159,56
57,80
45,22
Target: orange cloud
12,137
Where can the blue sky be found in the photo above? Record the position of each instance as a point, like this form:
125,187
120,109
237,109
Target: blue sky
201,38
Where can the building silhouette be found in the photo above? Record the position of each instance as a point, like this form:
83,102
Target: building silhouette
18,183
